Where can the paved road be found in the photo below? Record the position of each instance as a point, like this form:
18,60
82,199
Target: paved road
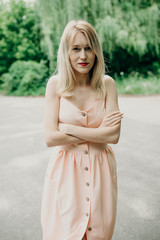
24,158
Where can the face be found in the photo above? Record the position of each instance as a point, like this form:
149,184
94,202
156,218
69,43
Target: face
81,55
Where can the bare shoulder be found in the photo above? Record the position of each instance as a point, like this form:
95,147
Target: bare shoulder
111,94
51,87
108,81
109,84
52,81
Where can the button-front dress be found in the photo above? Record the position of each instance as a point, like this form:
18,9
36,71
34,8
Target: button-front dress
80,188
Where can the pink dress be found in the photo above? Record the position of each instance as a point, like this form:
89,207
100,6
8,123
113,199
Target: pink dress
80,189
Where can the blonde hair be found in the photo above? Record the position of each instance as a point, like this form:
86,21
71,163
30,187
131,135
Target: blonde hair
66,76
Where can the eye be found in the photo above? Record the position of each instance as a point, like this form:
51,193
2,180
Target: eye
88,48
76,49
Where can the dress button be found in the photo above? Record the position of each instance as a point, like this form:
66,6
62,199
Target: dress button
87,214
83,114
86,152
87,199
89,229
86,168
87,184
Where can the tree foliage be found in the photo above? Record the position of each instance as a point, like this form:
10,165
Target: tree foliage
129,30
19,34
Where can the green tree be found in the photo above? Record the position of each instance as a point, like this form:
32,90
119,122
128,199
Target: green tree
129,30
19,34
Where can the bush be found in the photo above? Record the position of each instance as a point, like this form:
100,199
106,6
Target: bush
25,78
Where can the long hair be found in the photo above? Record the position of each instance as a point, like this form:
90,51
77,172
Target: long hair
66,76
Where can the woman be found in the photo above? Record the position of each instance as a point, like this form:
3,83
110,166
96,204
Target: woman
81,118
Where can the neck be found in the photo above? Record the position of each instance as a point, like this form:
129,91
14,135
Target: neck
82,79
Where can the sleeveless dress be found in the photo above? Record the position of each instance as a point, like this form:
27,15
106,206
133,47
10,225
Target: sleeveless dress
80,189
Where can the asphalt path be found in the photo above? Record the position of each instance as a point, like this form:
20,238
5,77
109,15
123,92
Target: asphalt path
24,158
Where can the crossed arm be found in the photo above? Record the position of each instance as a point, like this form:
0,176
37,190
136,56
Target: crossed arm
62,134
108,132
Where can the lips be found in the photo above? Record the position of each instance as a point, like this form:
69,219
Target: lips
83,64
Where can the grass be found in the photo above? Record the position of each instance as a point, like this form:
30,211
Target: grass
138,85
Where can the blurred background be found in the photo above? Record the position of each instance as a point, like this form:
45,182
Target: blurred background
30,32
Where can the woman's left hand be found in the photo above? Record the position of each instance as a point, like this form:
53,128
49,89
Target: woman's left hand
111,119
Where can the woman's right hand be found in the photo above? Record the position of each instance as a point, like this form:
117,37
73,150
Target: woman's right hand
112,119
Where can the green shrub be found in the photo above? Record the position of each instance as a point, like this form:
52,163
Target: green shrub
25,78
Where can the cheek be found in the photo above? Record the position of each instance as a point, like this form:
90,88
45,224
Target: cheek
72,58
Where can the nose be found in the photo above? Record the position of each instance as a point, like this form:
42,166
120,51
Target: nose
83,54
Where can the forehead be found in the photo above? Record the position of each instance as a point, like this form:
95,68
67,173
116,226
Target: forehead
80,39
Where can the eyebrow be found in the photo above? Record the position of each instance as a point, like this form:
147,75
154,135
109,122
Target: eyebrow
87,45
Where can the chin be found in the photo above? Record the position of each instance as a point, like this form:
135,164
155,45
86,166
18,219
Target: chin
82,71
